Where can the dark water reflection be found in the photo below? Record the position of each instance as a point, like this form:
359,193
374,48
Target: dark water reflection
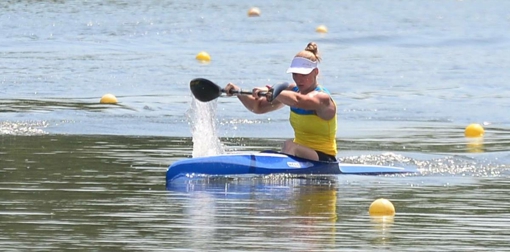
107,193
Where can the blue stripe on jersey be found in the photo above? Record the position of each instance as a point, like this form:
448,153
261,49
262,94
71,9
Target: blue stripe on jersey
301,111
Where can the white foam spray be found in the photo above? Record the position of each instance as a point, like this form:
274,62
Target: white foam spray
204,128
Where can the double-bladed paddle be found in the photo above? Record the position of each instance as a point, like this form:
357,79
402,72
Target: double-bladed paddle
205,90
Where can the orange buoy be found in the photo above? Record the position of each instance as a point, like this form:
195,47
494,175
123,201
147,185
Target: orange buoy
474,130
321,29
108,99
381,207
254,12
203,56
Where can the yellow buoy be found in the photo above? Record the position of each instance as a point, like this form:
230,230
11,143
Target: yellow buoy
474,130
108,99
381,207
254,12
321,29
203,56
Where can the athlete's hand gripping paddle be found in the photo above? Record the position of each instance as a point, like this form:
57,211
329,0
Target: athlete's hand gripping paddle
205,90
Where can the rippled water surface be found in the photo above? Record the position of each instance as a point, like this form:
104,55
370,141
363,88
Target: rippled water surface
408,77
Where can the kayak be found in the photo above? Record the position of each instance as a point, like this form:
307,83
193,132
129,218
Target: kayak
268,162
263,163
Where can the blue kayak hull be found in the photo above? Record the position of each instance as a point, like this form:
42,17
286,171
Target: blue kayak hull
269,163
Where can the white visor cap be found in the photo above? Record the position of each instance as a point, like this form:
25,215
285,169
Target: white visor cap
302,65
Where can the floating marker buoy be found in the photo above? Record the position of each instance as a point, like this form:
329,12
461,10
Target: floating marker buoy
474,130
108,99
254,12
381,207
203,56
321,29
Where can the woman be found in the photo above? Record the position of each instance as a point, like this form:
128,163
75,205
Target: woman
312,110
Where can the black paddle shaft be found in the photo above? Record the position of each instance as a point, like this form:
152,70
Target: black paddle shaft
205,90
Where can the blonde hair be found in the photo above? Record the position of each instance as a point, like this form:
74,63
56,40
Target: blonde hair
311,52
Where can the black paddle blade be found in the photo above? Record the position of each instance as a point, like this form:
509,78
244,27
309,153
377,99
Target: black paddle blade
204,90
276,90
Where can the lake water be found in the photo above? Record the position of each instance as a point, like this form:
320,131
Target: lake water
408,77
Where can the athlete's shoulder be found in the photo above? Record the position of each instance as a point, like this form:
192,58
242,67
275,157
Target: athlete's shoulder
320,88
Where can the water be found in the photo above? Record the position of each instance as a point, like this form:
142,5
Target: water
408,77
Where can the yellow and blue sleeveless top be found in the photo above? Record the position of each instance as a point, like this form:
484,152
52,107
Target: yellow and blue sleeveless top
312,131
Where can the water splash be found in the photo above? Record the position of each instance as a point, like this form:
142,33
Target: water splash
203,122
